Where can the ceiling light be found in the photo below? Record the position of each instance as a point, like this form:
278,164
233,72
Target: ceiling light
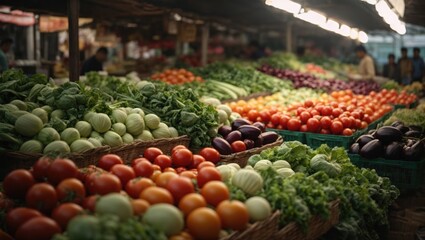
363,38
286,5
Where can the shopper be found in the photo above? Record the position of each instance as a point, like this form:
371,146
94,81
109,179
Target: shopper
390,68
418,66
95,63
366,64
5,46
405,67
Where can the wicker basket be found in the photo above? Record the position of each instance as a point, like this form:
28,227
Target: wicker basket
316,227
265,229
14,160
241,158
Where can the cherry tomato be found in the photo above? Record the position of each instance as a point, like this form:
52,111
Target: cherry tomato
163,161
71,190
233,215
42,196
294,124
151,153
65,212
337,127
238,146
207,174
155,195
210,154
326,122
313,125
347,132
204,223
105,183
18,216
143,169
215,192
40,168
123,172
40,228
182,158
137,160
304,116
17,183
191,202
179,187
140,206
61,169
107,161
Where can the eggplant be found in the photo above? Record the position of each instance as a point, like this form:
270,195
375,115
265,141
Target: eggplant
413,133
222,146
388,134
403,129
364,139
371,132
249,131
233,136
372,149
415,152
239,122
259,141
249,143
269,137
396,123
224,130
394,151
355,147
416,128
260,125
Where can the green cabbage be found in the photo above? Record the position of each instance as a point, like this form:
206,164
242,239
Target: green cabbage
138,111
161,132
48,135
31,146
145,136
20,104
42,114
69,135
135,124
28,125
88,116
101,122
81,145
127,138
119,128
47,108
152,121
113,139
173,132
58,147
96,142
84,128
119,116
57,113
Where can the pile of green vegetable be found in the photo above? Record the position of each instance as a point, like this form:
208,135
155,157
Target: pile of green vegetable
410,117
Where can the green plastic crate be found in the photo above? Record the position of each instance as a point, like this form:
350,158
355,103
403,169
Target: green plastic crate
314,140
414,104
289,135
399,106
406,175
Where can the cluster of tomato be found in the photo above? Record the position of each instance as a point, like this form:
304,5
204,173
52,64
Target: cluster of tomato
394,97
176,76
53,192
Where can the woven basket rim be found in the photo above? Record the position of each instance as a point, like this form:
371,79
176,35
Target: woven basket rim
278,142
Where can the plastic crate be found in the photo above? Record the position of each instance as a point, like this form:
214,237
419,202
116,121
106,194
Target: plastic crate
399,106
290,135
414,104
314,140
406,175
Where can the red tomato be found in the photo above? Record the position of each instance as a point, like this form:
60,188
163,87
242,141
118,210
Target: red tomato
17,183
180,170
205,164
207,174
84,173
163,178
233,214
40,168
6,204
71,190
326,122
188,174
179,187
337,127
253,115
210,154
137,160
336,112
326,111
313,125
284,121
42,196
308,103
314,112
135,186
303,128
177,148
107,161
197,159
357,124
18,216
90,202
40,228
123,172
155,195
140,206
294,124
61,169
346,122
143,169
156,168
163,161
215,192
169,169
347,132
182,158
300,110
304,116
238,146
325,131
275,119
364,125
65,212
191,202
105,183
151,153
265,116
367,118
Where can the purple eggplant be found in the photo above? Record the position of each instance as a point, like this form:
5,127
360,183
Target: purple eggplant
249,143
269,137
239,122
364,139
394,151
355,148
413,134
388,134
415,152
260,125
259,141
224,130
372,149
233,136
222,146
249,131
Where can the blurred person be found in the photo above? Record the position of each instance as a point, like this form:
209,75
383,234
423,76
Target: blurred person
418,66
390,68
95,63
405,67
5,46
366,66
255,51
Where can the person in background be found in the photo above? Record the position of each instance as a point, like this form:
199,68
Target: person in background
95,63
5,46
255,51
366,64
405,67
418,66
390,68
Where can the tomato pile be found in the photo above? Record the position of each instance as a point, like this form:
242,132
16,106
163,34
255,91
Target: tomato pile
176,76
394,97
55,191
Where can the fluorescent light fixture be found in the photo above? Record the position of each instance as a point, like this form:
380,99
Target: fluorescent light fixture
312,17
286,5
344,30
354,34
331,25
372,2
363,38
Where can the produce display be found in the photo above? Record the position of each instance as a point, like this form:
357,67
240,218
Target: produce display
394,97
176,76
410,117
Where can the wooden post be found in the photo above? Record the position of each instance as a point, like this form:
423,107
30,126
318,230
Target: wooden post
74,52
204,44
